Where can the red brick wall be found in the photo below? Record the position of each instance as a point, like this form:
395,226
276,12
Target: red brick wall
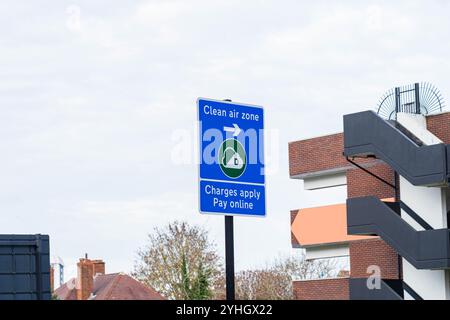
360,183
316,154
365,253
323,289
439,125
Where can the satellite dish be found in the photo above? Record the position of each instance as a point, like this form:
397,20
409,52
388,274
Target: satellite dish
419,98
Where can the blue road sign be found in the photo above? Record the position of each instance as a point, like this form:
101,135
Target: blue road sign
231,173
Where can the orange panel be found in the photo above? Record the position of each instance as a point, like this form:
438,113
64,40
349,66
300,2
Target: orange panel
323,225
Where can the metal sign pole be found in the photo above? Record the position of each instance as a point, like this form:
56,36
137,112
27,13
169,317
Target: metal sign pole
229,257
229,253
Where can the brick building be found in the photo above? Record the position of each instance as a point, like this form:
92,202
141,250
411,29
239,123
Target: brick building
392,228
92,283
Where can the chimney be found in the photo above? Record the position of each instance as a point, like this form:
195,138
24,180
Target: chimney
98,267
85,279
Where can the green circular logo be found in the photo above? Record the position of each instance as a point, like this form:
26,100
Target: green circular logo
232,158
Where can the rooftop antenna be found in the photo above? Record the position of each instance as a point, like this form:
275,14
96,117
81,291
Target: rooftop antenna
418,98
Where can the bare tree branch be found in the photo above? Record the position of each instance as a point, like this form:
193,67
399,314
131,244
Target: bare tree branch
174,253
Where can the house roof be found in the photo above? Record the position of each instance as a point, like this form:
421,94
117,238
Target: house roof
67,291
114,286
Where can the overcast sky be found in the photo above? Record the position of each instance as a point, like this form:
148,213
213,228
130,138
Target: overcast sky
95,95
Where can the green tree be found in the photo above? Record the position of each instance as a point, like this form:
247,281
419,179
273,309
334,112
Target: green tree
202,288
185,282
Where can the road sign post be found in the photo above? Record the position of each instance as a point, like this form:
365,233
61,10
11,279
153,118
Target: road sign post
229,257
231,171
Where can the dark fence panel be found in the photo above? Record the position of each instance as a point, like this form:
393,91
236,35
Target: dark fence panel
24,267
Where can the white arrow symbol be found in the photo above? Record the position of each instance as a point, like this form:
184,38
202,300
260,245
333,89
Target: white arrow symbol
235,129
